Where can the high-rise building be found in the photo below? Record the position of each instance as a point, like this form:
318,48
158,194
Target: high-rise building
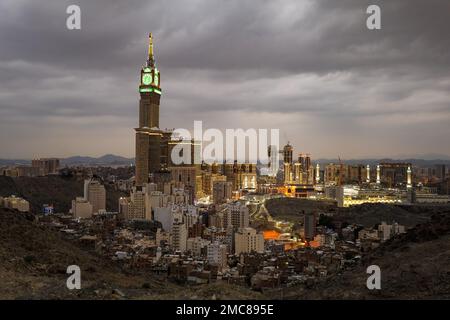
317,174
217,254
440,170
287,153
187,152
95,193
248,240
46,166
179,235
222,191
185,175
395,174
208,180
81,208
273,156
287,163
309,225
148,134
242,175
137,206
378,174
236,215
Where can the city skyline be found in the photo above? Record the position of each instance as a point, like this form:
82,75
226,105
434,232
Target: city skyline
232,153
330,99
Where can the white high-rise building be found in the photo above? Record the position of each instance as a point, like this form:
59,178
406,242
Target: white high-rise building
14,202
95,193
139,207
378,174
248,240
179,235
236,214
81,208
217,254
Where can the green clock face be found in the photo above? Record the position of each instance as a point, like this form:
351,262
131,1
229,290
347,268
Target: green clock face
156,79
147,78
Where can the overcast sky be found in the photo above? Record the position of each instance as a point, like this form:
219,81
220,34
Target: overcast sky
310,68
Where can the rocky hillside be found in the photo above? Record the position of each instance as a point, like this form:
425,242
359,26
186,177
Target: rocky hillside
367,215
371,214
34,259
414,265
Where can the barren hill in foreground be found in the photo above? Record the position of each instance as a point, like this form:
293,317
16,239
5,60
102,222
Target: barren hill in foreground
33,262
414,265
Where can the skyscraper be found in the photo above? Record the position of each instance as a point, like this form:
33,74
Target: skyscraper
95,193
309,224
148,134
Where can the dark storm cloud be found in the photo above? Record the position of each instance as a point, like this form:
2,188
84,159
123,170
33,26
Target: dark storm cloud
310,68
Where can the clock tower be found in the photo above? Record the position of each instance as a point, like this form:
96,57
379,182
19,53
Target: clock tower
148,134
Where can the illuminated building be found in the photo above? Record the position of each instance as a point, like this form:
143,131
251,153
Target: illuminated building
287,163
350,201
394,173
317,174
357,174
296,191
287,153
298,175
287,173
378,174
308,169
148,134
242,176
408,178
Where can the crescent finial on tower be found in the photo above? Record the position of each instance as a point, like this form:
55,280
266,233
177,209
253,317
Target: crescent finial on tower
151,58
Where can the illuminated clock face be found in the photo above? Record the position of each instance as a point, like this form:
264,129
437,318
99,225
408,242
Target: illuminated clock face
147,78
156,79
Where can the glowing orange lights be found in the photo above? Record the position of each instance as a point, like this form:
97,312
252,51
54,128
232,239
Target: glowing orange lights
271,235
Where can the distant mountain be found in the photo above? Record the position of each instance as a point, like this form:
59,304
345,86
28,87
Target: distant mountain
111,159
107,159
427,156
14,162
414,161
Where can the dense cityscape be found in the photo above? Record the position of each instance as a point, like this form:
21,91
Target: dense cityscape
236,222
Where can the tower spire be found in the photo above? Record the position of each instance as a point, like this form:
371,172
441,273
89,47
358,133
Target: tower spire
151,58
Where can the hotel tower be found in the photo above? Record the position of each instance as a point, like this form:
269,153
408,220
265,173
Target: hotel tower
148,134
